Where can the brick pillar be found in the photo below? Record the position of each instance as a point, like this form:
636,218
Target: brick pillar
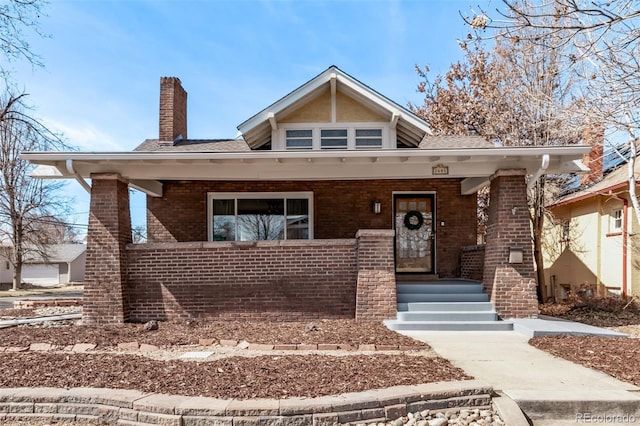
512,286
376,290
105,292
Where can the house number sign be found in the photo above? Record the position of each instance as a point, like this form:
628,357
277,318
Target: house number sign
440,169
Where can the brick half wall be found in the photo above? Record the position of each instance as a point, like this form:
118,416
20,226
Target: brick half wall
280,280
472,262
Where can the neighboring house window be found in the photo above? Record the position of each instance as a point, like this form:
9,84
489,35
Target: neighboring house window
260,216
616,221
299,139
566,230
368,138
333,138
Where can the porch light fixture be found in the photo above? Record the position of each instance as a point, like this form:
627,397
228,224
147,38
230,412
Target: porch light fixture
515,255
514,210
376,207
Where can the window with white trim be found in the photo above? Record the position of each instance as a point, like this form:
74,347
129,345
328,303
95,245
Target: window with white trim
299,139
368,138
326,136
333,138
616,221
260,216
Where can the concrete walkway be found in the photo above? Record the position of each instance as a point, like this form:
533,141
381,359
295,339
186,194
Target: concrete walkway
548,389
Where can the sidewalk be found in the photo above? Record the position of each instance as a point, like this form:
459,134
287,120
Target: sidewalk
548,389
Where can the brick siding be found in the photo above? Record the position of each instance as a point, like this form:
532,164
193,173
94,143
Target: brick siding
280,280
376,292
512,287
105,289
472,262
341,208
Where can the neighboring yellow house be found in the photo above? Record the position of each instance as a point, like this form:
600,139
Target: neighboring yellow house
591,243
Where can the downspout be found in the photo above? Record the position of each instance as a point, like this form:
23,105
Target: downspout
539,172
625,213
81,181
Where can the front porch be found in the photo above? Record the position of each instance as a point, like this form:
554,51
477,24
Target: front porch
280,280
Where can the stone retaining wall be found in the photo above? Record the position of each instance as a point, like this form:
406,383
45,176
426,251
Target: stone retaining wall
129,407
46,303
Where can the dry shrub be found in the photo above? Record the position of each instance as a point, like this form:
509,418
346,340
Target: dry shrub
591,308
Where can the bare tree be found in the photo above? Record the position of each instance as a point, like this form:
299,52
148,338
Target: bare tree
515,95
24,202
600,41
139,234
17,19
261,226
54,230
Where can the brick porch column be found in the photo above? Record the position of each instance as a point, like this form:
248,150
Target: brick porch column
105,292
511,286
376,290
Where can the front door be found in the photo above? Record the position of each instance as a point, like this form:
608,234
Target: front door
414,232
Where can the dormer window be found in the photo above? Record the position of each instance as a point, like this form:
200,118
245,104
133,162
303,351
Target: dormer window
299,139
333,136
368,138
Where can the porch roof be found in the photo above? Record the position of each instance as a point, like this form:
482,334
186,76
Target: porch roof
145,170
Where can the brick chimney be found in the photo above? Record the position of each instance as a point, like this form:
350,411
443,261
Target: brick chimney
593,135
173,109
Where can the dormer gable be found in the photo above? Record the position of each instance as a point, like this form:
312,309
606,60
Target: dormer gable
334,111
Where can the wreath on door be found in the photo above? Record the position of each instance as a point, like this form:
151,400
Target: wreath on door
413,220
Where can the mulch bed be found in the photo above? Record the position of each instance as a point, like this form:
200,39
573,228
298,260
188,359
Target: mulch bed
235,377
189,333
618,357
273,375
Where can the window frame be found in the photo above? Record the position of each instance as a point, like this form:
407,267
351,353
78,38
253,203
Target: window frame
279,137
615,217
308,195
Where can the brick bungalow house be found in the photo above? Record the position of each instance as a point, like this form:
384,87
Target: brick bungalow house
331,193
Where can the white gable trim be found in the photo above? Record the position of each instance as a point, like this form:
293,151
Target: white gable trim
334,77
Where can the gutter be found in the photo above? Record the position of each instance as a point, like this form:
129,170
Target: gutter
543,167
445,154
81,181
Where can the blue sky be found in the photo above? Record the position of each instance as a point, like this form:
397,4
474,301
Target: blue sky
104,59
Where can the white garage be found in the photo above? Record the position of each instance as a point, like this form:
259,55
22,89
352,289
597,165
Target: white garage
65,263
41,274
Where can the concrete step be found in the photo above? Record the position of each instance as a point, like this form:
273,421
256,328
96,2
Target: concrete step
579,406
440,287
449,325
448,316
441,297
446,306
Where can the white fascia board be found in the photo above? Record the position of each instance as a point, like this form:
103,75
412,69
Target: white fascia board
383,101
568,154
286,101
326,78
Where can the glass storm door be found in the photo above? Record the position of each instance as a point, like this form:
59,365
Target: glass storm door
414,233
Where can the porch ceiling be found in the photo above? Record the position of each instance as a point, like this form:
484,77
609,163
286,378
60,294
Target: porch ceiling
146,169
